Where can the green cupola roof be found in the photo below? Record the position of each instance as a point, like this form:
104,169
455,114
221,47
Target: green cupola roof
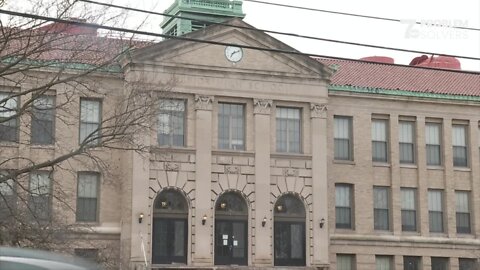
199,14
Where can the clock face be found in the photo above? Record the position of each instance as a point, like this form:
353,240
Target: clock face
233,54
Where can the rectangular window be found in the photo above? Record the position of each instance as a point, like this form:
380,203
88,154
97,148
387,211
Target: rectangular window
171,123
40,190
463,211
90,118
343,138
406,131
412,263
467,264
231,126
7,198
288,130
345,262
381,204
384,262
87,197
433,142
409,209
435,210
379,140
343,206
459,142
43,119
8,121
439,263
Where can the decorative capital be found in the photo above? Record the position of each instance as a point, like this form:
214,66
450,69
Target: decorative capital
318,110
203,102
232,169
289,172
262,106
171,166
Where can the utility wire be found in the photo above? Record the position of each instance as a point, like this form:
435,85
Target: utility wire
360,16
280,33
188,38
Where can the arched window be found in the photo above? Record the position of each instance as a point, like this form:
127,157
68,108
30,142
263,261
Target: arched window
169,241
231,218
289,231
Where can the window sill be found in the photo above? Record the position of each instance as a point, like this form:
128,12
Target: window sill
42,146
344,230
408,166
435,168
230,152
382,232
381,164
411,233
438,234
344,162
154,149
9,144
462,169
290,155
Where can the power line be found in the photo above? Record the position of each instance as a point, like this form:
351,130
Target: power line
187,38
281,33
360,15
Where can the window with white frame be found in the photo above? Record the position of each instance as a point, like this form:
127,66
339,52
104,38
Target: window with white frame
409,209
40,190
171,123
288,122
406,138
435,210
231,126
87,197
440,263
384,262
343,138
381,204
379,140
43,119
90,119
459,143
343,206
434,143
345,262
463,211
8,121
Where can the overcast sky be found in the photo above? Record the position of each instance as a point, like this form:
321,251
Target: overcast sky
446,40
465,13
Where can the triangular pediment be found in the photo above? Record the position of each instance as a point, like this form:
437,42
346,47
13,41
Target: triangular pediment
211,56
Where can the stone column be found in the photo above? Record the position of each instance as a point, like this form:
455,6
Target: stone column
203,173
263,240
318,116
140,173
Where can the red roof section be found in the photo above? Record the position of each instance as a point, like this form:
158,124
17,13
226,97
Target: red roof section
398,77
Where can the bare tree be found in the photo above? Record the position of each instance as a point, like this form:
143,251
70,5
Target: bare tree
55,116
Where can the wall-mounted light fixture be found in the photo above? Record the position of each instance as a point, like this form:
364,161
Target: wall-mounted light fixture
164,204
322,222
223,205
204,219
279,208
264,221
140,218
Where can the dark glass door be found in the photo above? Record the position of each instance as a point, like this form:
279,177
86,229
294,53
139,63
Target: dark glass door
289,243
169,241
230,242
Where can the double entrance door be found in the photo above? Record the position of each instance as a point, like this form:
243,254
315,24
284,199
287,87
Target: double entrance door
231,242
289,243
169,241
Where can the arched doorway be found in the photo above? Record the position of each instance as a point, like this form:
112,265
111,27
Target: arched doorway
231,218
169,240
289,231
